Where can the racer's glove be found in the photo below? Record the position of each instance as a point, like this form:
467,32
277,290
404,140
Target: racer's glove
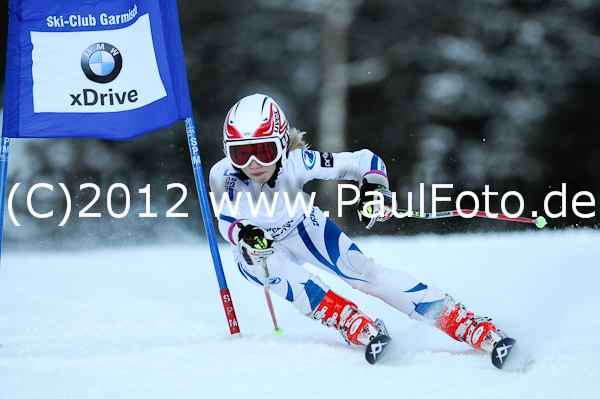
254,243
374,191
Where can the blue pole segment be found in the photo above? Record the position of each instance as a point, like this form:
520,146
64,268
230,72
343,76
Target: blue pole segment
5,141
204,204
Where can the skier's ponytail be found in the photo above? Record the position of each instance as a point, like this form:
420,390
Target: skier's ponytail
296,140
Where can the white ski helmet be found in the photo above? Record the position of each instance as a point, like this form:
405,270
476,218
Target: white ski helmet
256,129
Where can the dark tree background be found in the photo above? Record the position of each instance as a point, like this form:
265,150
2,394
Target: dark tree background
468,93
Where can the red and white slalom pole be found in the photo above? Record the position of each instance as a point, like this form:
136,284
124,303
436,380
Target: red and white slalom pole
540,221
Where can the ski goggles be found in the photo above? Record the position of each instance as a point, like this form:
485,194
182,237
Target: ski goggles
265,153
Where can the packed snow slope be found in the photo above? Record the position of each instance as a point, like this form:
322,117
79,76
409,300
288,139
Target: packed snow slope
148,323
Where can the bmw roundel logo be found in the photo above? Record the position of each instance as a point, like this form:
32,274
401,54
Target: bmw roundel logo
101,62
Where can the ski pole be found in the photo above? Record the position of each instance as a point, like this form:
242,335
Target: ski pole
277,330
540,221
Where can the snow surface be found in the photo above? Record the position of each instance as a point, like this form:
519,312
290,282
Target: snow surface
147,322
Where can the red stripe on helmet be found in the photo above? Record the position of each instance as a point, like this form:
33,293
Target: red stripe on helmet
232,132
265,129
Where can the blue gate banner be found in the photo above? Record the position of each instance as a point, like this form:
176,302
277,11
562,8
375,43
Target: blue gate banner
110,69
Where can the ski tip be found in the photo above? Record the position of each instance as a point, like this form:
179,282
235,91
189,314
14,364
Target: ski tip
540,222
375,349
501,351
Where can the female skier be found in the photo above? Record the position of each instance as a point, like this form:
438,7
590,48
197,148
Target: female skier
265,158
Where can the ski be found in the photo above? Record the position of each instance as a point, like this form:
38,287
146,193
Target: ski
376,348
502,351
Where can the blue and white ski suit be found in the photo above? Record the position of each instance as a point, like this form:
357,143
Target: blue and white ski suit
313,238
